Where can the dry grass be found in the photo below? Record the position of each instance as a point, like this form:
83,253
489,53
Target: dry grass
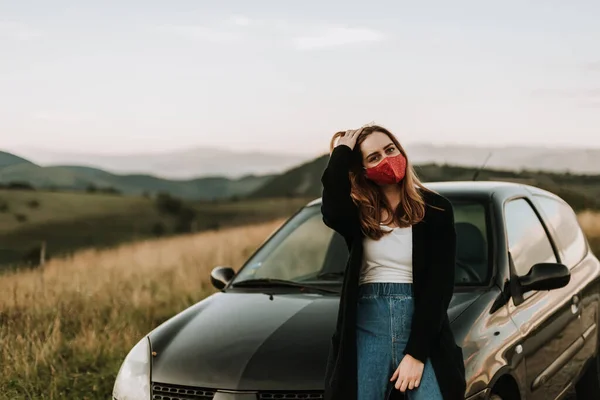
65,329
590,222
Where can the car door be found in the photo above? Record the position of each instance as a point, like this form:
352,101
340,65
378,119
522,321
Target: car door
571,241
548,321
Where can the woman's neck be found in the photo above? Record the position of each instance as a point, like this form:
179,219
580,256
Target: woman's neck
392,194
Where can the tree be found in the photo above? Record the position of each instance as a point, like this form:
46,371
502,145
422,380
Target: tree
167,204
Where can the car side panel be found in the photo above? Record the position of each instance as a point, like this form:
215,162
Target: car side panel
587,274
488,341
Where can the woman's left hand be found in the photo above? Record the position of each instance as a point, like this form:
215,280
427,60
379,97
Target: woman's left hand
408,373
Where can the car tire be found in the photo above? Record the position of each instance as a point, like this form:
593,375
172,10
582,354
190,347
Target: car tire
589,384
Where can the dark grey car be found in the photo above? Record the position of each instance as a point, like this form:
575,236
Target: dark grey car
525,309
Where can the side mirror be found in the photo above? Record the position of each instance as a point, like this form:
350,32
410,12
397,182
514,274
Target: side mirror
220,276
545,276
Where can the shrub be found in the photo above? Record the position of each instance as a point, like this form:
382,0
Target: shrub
109,190
33,204
159,229
20,186
167,204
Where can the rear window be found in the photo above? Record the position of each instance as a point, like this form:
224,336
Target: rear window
564,228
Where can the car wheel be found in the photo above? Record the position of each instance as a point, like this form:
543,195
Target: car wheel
589,384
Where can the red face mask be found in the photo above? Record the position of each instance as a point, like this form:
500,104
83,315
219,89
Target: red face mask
390,170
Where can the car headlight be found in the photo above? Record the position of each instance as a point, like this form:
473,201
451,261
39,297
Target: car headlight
133,379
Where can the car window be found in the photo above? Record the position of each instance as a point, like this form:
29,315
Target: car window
305,249
528,242
299,251
470,222
566,229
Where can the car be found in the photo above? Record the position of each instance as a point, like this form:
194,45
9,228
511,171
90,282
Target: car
524,310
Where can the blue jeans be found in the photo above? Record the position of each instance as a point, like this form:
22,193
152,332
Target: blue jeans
383,324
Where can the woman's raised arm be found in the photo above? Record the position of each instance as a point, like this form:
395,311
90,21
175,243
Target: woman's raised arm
337,207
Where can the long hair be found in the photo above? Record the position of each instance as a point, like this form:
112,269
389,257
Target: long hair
369,198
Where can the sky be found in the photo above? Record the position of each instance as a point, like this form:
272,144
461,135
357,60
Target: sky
283,76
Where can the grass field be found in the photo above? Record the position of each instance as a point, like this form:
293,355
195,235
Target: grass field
65,328
70,221
590,222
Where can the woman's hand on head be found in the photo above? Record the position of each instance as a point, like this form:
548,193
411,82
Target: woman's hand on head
349,138
408,374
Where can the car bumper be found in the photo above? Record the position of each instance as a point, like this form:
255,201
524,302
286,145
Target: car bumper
483,395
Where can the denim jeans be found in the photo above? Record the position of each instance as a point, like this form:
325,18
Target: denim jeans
383,324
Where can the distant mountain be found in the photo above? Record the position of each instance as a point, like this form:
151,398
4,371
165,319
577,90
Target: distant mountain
212,161
185,164
7,159
539,158
81,178
303,178
76,178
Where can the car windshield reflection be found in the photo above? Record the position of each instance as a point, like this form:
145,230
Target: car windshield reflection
307,251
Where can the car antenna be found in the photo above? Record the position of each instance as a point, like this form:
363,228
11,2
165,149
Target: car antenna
476,174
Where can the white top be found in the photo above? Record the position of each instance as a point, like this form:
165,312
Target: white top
388,259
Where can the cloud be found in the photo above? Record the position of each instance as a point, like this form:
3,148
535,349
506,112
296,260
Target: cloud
568,93
302,36
335,36
590,104
239,20
593,66
62,116
203,33
18,31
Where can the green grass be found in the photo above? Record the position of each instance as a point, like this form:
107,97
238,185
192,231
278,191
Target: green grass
70,221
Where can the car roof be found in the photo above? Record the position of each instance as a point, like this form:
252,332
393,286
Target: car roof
479,189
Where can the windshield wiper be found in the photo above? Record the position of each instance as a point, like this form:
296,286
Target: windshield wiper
331,275
270,282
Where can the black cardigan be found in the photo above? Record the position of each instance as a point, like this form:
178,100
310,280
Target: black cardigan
434,249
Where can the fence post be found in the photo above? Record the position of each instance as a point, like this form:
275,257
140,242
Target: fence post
43,253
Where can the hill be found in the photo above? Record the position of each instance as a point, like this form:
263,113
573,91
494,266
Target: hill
80,178
71,221
300,180
303,180
581,191
8,159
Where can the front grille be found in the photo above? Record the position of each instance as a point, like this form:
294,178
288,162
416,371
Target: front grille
290,395
163,391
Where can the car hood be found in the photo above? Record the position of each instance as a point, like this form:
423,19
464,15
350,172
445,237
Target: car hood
253,341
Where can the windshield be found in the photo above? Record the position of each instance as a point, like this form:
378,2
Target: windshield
306,250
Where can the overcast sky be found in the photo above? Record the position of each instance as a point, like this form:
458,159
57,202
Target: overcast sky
127,76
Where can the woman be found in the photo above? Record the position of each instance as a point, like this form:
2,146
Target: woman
392,327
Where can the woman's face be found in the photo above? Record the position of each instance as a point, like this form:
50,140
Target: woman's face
376,147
